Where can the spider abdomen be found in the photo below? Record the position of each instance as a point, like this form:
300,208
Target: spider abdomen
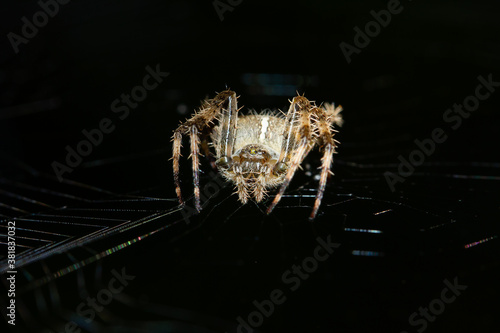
260,129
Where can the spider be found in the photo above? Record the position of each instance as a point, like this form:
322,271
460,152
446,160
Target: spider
258,151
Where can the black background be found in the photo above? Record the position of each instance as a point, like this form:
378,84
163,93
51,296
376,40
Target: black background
200,277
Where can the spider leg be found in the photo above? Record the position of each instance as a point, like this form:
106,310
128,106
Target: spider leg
227,121
202,122
298,136
294,164
206,151
326,163
259,190
241,185
289,136
176,156
195,154
322,121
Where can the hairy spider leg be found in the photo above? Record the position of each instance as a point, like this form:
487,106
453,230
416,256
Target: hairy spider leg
210,110
323,124
176,156
195,160
260,184
241,184
298,136
228,119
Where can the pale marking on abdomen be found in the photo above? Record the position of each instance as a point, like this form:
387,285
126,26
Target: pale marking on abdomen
263,128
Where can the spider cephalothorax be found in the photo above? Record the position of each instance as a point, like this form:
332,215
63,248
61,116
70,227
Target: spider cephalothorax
258,151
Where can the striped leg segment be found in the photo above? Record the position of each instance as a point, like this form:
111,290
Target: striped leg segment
296,144
222,108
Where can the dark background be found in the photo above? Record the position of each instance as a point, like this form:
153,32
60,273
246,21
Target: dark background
200,276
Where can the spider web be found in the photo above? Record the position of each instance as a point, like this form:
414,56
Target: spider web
70,235
200,272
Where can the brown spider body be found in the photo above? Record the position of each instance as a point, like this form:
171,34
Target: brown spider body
258,151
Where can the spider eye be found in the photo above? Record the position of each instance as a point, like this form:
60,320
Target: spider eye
223,162
280,168
253,151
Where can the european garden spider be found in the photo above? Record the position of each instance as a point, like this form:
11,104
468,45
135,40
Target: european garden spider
258,151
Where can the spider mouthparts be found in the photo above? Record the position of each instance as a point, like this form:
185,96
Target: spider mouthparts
223,162
280,168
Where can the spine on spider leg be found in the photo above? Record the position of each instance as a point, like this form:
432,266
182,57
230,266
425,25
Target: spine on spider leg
203,117
176,157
